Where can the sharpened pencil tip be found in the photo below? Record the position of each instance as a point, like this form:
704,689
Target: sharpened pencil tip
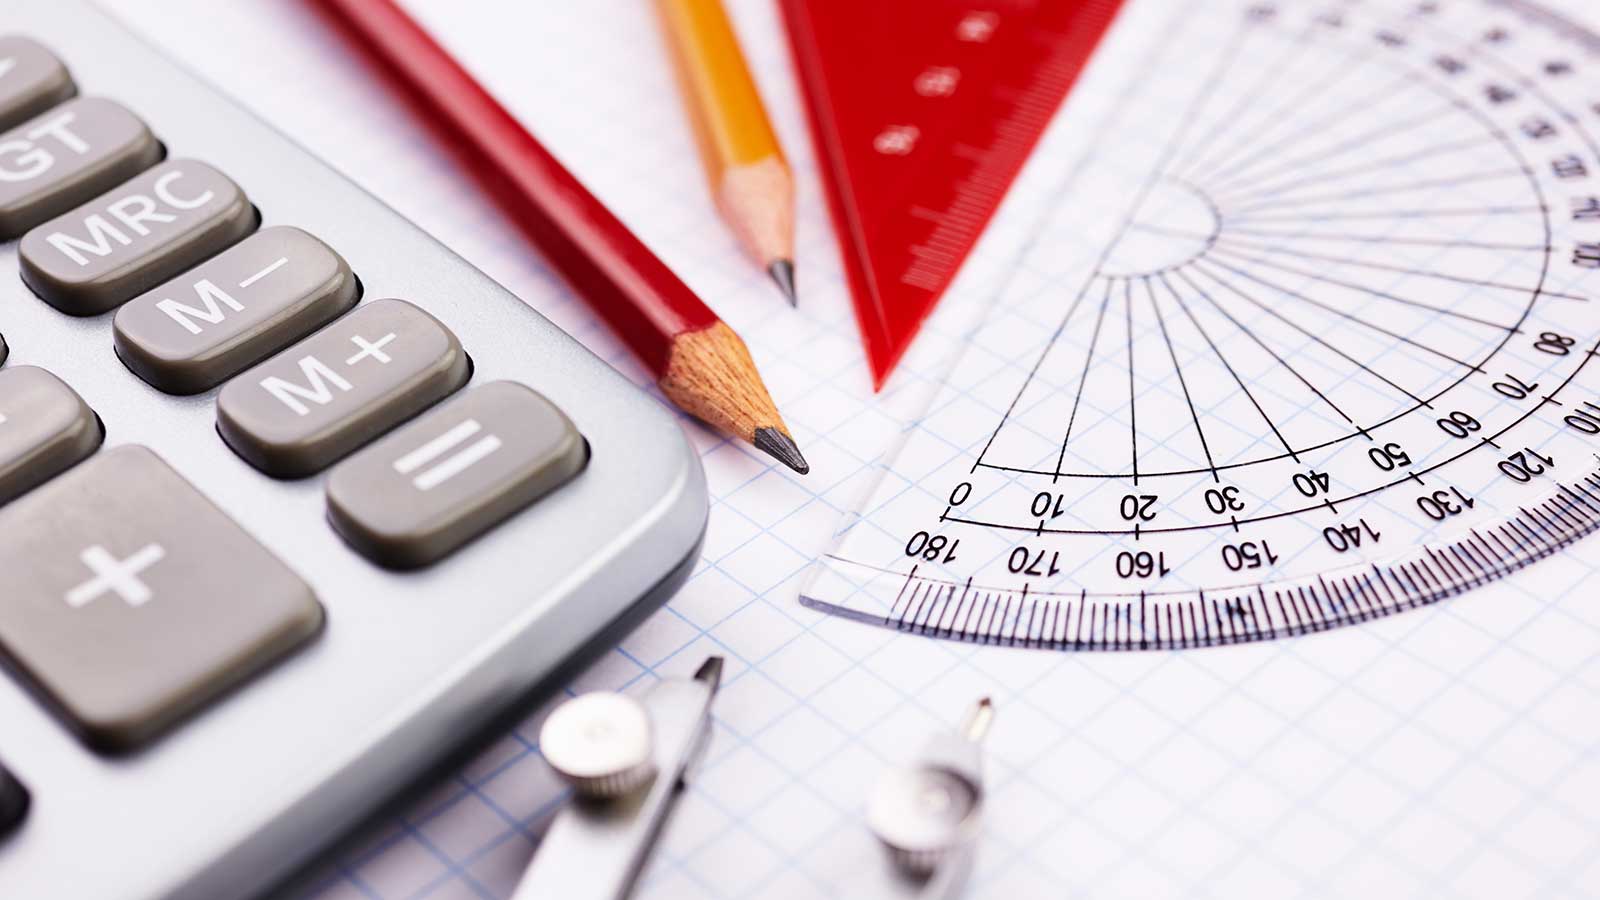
782,271
782,448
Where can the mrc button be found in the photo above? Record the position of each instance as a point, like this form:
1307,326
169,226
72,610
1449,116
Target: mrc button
199,329
129,240
66,156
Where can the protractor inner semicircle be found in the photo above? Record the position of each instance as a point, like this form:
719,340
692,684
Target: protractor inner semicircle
1293,278
1306,320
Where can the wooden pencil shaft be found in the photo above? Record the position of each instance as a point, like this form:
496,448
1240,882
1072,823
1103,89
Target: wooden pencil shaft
730,121
699,362
626,284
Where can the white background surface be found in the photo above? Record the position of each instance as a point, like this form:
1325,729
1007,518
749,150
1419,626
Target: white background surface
1450,751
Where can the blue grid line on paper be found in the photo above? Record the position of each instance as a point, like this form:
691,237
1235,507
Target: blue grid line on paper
1074,842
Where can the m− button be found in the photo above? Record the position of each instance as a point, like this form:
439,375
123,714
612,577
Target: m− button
131,600
45,429
437,483
131,239
196,331
66,156
32,80
298,412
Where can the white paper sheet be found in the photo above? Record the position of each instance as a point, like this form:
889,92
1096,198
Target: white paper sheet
1449,751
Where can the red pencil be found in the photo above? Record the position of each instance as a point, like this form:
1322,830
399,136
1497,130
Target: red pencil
700,363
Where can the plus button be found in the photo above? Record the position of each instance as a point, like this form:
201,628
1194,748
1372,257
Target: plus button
120,577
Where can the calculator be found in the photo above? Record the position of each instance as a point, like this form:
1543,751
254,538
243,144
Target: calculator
293,501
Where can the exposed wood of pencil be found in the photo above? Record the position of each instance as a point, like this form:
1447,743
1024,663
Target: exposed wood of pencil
649,307
743,160
757,199
711,376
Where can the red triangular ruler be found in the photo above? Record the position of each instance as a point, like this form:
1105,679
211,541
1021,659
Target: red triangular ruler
923,112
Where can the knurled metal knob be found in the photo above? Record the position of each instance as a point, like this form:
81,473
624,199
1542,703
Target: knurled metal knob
600,743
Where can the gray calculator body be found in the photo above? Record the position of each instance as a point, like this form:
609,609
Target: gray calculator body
409,664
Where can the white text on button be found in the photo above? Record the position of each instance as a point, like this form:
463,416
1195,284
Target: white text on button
120,577
444,443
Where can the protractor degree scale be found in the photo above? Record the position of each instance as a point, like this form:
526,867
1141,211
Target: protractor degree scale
1306,337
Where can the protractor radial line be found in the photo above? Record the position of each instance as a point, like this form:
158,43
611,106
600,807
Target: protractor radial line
1033,371
1270,350
1133,404
1311,335
1261,187
1359,238
1230,170
1245,249
1427,184
1191,110
1312,348
1448,212
1225,121
1228,181
1269,263
1177,370
1083,376
1221,358
1309,96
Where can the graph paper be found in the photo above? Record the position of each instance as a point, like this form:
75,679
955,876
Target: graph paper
1453,750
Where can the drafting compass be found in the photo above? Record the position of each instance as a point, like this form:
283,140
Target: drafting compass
927,814
627,762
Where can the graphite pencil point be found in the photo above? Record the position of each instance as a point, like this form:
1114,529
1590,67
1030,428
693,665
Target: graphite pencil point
782,271
782,448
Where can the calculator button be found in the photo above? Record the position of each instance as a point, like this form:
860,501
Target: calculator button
66,156
32,80
418,494
199,329
13,801
135,237
45,429
131,600
298,412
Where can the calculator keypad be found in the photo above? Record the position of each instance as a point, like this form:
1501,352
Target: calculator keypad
135,237
350,382
197,330
131,599
431,486
45,428
67,156
32,80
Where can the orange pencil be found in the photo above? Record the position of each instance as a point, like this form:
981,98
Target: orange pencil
748,174
700,363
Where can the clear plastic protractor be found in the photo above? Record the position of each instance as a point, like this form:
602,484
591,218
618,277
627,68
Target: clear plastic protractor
1305,336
